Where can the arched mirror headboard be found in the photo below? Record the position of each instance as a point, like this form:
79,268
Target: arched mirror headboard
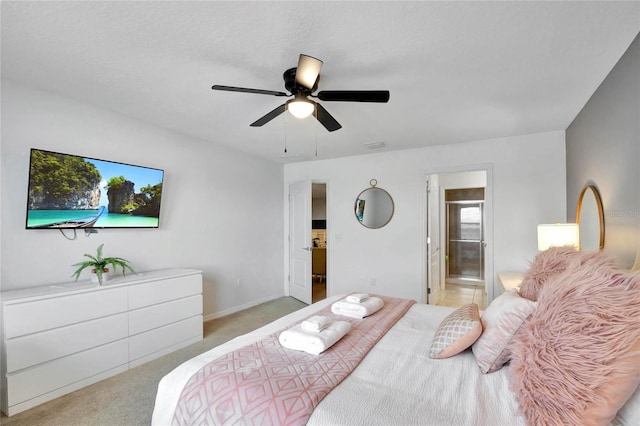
590,219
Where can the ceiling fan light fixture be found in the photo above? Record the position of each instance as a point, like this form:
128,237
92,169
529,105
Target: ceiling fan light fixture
300,107
301,83
308,70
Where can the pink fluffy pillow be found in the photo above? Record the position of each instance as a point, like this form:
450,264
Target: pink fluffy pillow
576,359
549,263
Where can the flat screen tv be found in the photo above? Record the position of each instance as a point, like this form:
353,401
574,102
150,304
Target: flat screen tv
69,191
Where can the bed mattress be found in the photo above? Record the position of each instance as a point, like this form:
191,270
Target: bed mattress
396,383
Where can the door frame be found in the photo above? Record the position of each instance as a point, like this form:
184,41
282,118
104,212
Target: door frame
288,255
490,283
432,291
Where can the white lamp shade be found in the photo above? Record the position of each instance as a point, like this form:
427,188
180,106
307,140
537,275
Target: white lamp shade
308,70
300,108
558,234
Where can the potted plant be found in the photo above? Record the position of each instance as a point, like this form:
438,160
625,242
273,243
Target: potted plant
98,265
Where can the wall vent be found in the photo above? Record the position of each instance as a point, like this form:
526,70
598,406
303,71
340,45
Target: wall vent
374,145
292,157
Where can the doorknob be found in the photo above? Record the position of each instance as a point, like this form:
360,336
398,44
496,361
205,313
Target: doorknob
306,248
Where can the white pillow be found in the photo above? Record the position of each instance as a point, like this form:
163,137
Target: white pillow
629,414
500,321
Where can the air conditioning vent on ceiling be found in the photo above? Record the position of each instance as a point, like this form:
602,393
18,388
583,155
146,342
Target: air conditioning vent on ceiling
374,145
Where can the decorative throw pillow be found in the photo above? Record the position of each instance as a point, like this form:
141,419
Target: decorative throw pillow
577,359
457,332
546,264
500,322
549,263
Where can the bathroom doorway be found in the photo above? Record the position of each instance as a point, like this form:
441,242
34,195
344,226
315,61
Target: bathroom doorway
458,223
465,236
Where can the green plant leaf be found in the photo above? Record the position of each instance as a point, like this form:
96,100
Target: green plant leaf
99,263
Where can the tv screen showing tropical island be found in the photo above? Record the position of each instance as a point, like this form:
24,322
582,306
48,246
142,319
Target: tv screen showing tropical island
69,191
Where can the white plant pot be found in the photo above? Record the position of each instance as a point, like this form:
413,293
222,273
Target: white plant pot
94,276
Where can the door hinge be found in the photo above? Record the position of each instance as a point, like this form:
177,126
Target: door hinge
429,290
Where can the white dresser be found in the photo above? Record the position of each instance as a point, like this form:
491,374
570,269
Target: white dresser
60,338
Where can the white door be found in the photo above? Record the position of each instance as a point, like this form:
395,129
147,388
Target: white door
433,241
300,241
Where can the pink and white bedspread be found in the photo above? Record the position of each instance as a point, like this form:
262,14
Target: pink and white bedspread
396,383
265,383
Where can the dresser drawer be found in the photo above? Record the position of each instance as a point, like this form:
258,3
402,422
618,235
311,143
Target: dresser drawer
30,317
164,290
59,338
36,381
38,348
155,316
160,338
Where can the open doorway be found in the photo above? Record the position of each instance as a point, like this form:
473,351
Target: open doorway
318,241
308,267
465,236
457,262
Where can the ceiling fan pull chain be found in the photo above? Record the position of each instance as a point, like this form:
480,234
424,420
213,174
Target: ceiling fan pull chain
285,135
315,128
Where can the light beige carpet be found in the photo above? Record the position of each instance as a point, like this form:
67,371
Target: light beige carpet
128,398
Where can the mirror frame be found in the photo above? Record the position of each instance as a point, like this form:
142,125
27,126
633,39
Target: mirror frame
373,183
598,199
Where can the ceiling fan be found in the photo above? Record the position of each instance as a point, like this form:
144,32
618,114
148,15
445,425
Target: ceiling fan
301,82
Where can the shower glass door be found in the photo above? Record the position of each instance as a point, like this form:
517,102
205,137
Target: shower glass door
465,240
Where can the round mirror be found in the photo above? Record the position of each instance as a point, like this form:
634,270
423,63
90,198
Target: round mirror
590,219
374,207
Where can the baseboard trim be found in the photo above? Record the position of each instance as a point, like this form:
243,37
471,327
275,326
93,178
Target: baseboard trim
235,309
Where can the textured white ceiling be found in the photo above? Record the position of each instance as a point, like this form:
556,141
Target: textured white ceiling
457,71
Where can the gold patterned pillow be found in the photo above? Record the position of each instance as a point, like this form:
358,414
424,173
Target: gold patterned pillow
459,330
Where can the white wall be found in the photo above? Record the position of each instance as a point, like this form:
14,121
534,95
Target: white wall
221,209
603,149
463,180
528,179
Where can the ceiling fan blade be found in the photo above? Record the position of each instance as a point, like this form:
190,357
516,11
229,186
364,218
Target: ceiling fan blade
269,116
308,71
354,95
246,90
326,119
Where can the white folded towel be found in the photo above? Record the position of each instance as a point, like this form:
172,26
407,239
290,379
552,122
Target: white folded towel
314,342
357,310
357,297
316,323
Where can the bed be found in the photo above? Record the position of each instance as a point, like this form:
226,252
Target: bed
398,382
